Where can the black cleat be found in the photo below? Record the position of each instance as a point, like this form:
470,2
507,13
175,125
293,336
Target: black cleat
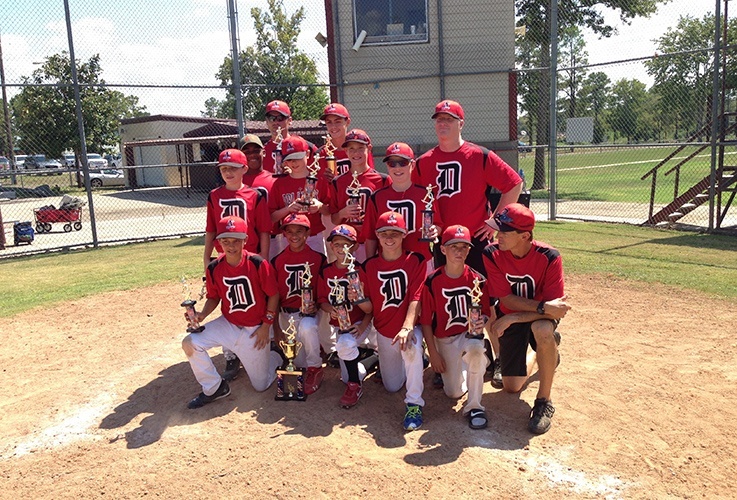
202,399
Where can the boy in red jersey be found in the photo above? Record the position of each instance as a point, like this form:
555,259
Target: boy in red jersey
332,278
288,192
393,284
255,176
290,268
527,277
358,147
244,285
445,302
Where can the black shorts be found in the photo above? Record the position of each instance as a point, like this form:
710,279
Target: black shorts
513,346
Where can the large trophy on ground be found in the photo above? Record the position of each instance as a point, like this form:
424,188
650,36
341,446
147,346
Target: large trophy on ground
330,154
340,304
290,380
354,281
193,326
427,215
474,311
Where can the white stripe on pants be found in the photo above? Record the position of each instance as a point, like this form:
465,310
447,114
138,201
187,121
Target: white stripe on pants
465,364
309,354
398,366
260,364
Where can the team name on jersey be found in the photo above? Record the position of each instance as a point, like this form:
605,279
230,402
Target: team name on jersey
449,178
233,207
342,166
407,209
239,293
294,279
393,287
522,286
456,306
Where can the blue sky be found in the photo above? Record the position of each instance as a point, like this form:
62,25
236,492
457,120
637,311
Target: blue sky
185,41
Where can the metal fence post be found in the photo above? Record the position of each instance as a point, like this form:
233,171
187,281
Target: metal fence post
553,120
714,115
237,91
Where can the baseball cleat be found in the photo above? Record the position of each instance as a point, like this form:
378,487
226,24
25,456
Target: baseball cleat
313,380
352,394
496,377
541,416
232,367
413,418
202,399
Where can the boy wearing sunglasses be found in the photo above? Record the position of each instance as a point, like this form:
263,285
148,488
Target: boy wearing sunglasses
278,116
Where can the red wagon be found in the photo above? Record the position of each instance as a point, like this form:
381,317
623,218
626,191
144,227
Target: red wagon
45,216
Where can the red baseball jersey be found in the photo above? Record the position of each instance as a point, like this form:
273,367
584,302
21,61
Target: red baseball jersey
445,301
538,275
243,290
246,203
462,179
287,189
289,267
408,203
270,157
391,286
332,276
261,182
370,181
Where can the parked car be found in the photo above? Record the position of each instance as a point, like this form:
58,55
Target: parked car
94,160
20,160
106,177
40,162
114,161
4,163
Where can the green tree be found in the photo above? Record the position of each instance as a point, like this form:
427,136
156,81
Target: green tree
45,115
595,100
633,111
535,15
572,53
273,68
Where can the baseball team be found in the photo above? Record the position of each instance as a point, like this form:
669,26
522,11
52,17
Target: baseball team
414,267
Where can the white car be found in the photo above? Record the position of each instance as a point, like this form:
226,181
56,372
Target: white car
94,160
107,177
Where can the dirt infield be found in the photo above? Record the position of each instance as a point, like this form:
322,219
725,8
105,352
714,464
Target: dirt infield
94,405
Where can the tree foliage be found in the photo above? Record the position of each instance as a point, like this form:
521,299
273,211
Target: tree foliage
44,112
595,99
632,111
273,68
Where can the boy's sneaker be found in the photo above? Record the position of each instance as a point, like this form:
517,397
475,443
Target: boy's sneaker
232,367
541,416
284,360
202,399
313,380
412,418
496,377
437,381
352,394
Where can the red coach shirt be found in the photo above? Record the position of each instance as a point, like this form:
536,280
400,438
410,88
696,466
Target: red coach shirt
287,189
462,179
408,203
289,267
538,275
391,286
246,203
370,181
445,301
331,275
242,289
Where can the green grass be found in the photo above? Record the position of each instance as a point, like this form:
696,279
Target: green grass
707,263
614,175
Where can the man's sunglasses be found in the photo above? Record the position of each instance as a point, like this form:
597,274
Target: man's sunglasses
276,118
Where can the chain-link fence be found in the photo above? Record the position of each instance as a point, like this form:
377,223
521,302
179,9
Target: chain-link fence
643,131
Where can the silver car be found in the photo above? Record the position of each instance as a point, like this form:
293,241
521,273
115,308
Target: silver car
107,177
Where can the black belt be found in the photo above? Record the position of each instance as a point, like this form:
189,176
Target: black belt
290,310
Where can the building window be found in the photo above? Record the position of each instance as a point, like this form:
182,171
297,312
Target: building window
390,21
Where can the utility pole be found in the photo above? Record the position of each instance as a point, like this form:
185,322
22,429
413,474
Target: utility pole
8,132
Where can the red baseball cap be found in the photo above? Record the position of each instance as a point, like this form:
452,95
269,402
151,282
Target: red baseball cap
399,149
391,221
280,107
456,234
232,158
345,231
294,147
357,135
514,217
231,227
296,220
336,109
451,108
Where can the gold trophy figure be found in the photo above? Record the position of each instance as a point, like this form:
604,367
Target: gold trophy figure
354,198
278,170
290,380
353,279
193,326
427,214
310,192
305,290
474,311
340,304
330,154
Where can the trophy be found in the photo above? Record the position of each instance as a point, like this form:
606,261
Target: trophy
340,304
354,198
427,221
310,192
330,152
474,311
278,170
305,292
290,380
193,326
353,280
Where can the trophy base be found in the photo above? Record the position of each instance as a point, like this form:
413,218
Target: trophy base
428,240
290,385
199,329
360,301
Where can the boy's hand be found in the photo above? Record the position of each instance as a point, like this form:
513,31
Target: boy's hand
405,337
437,363
262,336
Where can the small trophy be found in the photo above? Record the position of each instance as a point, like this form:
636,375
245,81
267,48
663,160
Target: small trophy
354,198
306,292
278,170
310,192
353,280
330,152
290,380
427,217
340,304
474,311
193,326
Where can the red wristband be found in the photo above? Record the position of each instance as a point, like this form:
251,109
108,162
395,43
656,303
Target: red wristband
269,317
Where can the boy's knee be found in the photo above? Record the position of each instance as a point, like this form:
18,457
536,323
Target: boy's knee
188,346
